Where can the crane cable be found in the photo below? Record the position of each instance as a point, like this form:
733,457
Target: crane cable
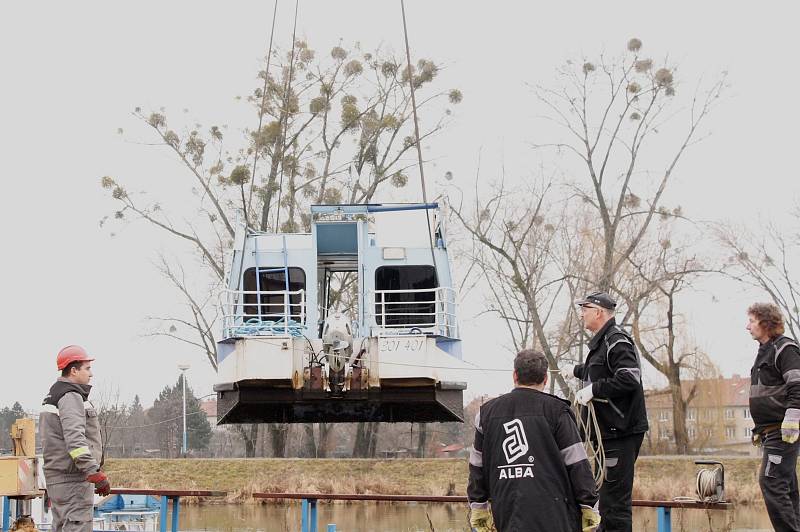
261,113
416,133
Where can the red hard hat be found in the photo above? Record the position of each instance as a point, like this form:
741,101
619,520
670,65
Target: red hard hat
72,353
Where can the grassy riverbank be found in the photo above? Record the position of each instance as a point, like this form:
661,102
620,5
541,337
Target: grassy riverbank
656,477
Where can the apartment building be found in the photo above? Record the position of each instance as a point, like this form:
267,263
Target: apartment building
717,417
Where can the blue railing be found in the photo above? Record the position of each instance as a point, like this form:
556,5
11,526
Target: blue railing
166,496
309,514
308,517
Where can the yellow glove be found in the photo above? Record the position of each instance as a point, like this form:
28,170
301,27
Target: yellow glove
756,439
790,428
480,520
590,519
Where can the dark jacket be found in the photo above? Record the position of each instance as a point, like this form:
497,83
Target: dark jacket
528,461
70,433
774,382
615,373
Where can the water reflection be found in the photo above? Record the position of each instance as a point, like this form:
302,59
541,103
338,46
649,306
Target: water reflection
411,517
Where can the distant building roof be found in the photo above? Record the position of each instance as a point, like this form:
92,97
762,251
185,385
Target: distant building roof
209,406
452,448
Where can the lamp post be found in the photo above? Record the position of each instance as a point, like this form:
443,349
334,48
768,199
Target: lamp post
183,368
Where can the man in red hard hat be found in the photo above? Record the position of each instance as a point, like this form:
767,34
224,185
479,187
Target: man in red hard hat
71,444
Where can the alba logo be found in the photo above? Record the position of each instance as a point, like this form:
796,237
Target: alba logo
516,444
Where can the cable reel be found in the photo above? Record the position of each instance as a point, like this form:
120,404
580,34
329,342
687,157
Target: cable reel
710,481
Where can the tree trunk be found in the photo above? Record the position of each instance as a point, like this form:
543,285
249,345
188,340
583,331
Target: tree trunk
270,187
278,433
678,411
359,447
262,443
422,440
372,449
249,434
325,436
249,448
309,448
366,440
607,276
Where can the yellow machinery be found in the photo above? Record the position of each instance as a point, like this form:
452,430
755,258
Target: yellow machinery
18,473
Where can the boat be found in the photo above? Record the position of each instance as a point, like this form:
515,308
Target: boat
296,349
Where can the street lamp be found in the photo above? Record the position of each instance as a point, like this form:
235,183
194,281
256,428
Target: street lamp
183,368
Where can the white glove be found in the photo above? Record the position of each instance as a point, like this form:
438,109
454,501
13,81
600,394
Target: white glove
584,395
568,371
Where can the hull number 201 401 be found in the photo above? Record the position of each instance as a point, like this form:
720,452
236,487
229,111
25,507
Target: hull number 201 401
394,345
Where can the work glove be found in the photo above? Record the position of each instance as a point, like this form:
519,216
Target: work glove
790,428
584,395
590,518
756,439
100,481
480,520
568,371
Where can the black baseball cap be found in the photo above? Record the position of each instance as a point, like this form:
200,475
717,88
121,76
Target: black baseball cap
601,299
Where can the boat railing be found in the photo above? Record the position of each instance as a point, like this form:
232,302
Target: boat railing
263,313
426,309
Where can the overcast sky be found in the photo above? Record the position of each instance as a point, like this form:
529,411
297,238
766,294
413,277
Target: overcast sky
73,72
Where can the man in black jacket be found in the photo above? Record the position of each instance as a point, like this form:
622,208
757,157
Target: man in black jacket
528,461
612,380
775,408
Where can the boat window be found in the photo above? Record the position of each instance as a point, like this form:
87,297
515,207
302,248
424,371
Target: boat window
411,308
272,279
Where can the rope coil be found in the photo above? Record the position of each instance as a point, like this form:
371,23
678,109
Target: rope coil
593,442
708,484
256,326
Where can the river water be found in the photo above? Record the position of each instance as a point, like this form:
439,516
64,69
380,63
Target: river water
411,517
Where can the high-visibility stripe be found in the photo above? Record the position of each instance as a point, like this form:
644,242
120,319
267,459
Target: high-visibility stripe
475,457
573,454
636,372
612,346
50,409
80,451
779,350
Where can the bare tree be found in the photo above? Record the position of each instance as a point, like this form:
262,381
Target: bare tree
111,415
768,261
601,227
610,112
514,240
658,272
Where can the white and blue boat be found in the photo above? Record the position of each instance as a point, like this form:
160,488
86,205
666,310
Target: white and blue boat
289,354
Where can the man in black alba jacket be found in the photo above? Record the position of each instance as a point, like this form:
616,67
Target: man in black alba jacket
528,462
612,380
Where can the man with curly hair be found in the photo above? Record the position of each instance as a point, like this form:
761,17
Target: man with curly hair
775,409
